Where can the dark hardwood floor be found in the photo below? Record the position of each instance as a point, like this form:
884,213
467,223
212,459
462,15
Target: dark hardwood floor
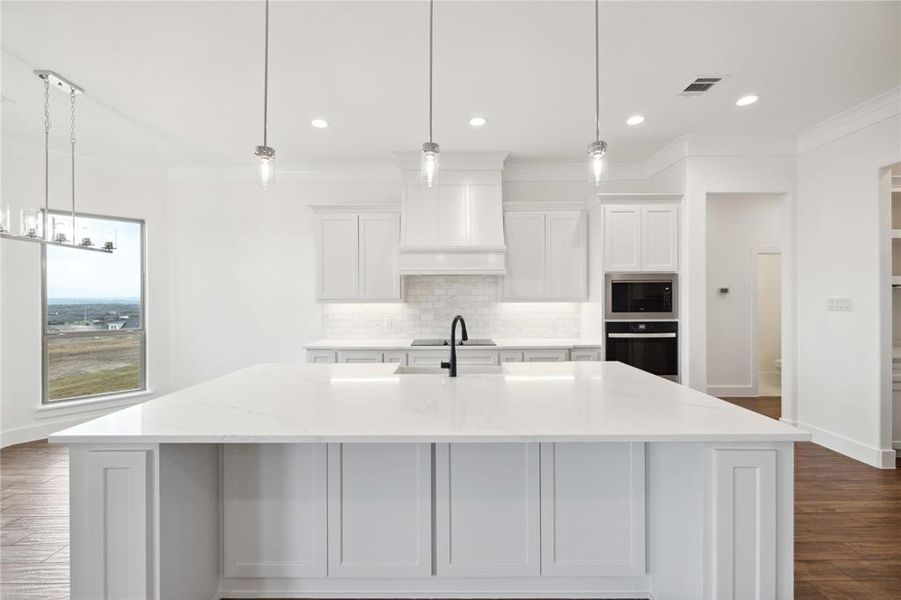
847,523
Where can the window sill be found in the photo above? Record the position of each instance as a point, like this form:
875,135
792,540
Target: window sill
90,404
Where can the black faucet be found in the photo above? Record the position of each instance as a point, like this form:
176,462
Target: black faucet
452,365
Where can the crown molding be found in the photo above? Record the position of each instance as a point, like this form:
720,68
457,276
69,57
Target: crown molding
569,171
870,112
313,173
666,157
88,163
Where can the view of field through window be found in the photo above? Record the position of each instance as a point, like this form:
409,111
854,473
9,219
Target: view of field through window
94,342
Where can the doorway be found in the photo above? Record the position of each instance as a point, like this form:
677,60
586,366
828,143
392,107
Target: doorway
768,324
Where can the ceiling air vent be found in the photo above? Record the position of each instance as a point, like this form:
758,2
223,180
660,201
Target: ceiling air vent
700,85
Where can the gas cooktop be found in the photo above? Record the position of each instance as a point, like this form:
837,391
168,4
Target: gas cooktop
446,342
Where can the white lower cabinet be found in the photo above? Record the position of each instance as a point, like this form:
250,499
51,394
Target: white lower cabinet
487,516
379,510
551,355
360,356
505,356
434,358
584,355
592,509
321,357
274,510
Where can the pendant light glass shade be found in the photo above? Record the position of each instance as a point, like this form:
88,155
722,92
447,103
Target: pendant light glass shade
429,164
597,162
266,156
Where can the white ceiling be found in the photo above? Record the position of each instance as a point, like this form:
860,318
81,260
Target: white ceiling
189,74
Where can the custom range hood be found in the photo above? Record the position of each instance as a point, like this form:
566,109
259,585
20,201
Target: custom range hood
455,227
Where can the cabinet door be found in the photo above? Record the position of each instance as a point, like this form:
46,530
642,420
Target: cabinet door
379,237
427,358
622,238
551,355
659,237
360,356
321,357
583,355
475,357
567,273
395,356
526,268
506,356
337,268
487,510
274,510
380,510
592,509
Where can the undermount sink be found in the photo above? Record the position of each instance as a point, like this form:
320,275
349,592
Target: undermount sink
461,370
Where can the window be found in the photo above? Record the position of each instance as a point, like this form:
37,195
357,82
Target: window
93,322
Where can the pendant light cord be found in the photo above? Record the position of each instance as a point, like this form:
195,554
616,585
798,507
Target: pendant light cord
431,22
266,81
597,77
72,142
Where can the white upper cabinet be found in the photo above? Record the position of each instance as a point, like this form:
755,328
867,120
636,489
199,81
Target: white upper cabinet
338,249
546,255
622,238
659,237
641,237
357,256
452,215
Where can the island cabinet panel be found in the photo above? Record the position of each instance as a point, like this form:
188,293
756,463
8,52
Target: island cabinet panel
380,510
274,510
487,515
744,523
592,509
112,544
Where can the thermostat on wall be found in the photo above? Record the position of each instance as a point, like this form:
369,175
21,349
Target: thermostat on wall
722,291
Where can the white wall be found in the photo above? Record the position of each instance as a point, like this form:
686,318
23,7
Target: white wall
738,226
844,380
118,193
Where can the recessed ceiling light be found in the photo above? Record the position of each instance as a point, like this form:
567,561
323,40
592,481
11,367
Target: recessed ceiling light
746,100
319,123
478,121
635,120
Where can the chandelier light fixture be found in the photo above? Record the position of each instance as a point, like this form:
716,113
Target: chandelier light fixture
38,225
430,149
597,150
265,153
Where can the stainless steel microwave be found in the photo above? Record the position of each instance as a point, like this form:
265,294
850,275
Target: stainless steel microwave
641,296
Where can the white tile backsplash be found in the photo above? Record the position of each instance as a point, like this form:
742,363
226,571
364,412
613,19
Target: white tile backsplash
431,301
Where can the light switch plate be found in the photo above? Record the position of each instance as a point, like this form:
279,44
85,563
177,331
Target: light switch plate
838,303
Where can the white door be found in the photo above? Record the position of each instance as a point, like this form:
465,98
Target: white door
380,510
567,273
659,237
337,267
379,237
526,268
487,510
622,238
274,510
549,355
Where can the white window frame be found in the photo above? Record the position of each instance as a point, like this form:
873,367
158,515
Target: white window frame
46,335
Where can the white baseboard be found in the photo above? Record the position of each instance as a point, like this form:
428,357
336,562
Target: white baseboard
875,457
39,431
732,391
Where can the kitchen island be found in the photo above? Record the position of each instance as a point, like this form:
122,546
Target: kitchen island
524,480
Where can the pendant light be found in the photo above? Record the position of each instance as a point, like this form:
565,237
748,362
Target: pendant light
430,149
265,153
597,150
35,224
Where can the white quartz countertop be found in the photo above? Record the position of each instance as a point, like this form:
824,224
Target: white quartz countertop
543,402
406,344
